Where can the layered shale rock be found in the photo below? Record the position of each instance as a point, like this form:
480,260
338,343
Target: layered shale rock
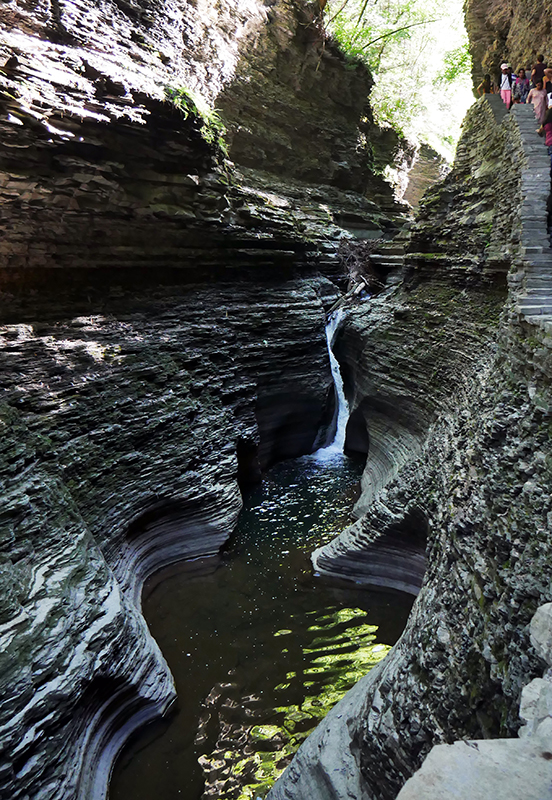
98,170
163,329
124,435
410,355
471,417
408,358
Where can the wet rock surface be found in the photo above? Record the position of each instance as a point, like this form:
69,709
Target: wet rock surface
140,388
162,328
408,359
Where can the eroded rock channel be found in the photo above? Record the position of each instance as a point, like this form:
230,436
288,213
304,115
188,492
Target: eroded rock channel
259,650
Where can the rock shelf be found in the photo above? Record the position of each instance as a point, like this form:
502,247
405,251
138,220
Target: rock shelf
472,770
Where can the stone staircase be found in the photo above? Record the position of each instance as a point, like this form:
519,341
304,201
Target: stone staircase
534,295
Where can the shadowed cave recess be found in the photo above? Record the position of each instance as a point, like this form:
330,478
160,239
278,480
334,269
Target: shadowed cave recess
163,303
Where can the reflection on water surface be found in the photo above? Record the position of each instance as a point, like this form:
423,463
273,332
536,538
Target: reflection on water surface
259,649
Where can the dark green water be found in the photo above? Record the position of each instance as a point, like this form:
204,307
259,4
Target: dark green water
259,648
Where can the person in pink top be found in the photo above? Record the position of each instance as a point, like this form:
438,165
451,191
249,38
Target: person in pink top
538,97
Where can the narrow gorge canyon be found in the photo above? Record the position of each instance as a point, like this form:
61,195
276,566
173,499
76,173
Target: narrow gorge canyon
165,279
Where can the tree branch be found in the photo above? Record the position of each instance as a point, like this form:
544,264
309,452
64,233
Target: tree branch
398,30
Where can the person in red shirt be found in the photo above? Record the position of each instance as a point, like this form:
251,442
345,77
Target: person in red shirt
546,129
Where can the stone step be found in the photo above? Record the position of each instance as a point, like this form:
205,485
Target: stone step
392,249
387,261
542,260
537,298
532,310
536,301
535,249
543,291
544,322
538,274
532,213
537,285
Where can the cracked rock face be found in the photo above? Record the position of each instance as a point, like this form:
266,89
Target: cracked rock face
503,31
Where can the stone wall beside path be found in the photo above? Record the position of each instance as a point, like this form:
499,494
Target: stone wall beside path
522,768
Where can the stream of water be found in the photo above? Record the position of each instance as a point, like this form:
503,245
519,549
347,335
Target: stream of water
260,650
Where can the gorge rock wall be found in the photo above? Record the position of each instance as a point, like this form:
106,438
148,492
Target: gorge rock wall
99,172
477,477
505,31
121,439
162,319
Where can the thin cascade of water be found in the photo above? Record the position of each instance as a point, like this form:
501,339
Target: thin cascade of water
336,447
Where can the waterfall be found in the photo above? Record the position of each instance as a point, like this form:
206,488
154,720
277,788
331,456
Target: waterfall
336,447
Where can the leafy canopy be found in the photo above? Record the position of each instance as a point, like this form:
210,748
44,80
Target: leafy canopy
418,53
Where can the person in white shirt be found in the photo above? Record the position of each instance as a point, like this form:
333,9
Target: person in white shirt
506,80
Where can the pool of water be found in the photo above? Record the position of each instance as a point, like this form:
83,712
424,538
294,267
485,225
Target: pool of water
259,648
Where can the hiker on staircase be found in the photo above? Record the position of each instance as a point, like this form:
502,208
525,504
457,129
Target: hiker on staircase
537,73
505,83
520,88
487,86
538,97
546,131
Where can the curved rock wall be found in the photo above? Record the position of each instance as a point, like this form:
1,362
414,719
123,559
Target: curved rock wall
162,330
119,456
481,481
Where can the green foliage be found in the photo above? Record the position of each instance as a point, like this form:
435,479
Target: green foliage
417,52
457,63
369,37
188,102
